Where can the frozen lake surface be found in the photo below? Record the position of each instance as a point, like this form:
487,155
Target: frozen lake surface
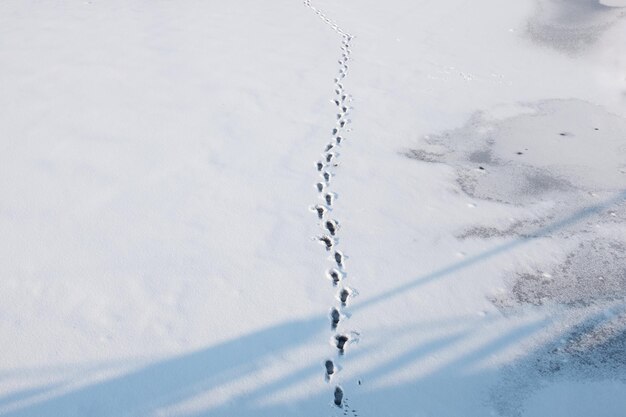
313,208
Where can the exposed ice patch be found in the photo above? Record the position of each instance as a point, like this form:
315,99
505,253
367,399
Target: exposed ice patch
590,354
547,153
561,162
595,272
572,25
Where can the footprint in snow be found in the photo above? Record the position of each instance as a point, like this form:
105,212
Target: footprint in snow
341,341
339,258
347,408
331,226
343,296
330,369
328,242
338,396
320,187
335,276
321,210
335,316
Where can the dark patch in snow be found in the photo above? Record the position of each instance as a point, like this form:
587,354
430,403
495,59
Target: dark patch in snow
320,211
338,396
339,258
335,316
335,276
341,343
343,296
328,242
331,226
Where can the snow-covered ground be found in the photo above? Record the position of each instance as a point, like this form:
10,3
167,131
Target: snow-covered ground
160,245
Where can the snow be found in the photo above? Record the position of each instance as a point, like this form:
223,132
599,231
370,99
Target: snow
159,245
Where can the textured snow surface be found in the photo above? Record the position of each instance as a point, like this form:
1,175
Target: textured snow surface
160,244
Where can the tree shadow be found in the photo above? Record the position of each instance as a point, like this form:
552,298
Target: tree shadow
500,249
155,388
591,350
171,381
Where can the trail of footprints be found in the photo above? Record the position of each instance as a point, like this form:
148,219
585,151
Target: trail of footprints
329,226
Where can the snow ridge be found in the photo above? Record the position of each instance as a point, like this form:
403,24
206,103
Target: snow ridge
326,168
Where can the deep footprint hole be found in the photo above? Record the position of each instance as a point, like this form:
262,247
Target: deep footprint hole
330,367
321,210
341,343
335,316
335,276
339,258
338,396
328,242
331,226
344,294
